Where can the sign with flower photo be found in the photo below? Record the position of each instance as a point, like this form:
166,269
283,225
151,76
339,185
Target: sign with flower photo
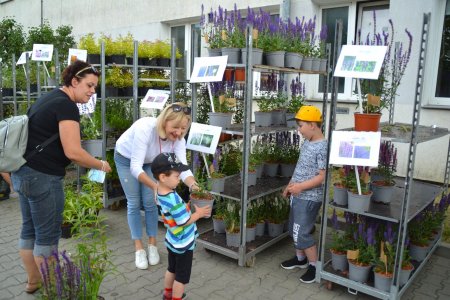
358,148
203,138
360,61
208,69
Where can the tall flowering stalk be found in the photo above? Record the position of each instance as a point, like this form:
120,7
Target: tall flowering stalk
394,66
298,95
387,162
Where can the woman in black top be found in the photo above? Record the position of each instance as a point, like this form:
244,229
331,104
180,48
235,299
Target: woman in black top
40,181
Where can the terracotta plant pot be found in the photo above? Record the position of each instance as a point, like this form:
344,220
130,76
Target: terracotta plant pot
367,122
239,75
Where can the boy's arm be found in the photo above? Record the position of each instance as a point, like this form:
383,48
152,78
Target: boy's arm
295,188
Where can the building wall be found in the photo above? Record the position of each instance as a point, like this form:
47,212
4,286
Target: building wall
152,20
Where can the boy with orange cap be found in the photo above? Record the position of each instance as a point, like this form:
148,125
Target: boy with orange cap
305,191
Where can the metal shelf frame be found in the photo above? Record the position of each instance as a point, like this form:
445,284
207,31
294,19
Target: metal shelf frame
407,204
239,191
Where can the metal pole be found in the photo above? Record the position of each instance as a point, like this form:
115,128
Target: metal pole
1,92
42,13
57,68
135,82
27,74
247,144
13,67
173,70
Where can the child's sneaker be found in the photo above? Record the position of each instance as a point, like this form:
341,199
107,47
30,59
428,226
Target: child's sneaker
310,275
141,260
294,263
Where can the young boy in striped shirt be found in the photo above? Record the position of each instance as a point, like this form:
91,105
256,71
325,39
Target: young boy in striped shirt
179,222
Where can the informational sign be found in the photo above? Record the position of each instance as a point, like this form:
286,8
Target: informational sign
42,52
360,61
203,138
89,107
155,99
358,148
23,57
76,54
209,69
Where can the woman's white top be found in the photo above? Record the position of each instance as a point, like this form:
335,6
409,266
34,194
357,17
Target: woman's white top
141,144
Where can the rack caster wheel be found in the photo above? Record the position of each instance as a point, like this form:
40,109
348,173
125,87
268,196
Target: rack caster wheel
250,262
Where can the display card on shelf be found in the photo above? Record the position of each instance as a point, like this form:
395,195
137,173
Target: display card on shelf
209,69
359,148
23,58
360,61
76,54
155,99
42,52
89,107
203,138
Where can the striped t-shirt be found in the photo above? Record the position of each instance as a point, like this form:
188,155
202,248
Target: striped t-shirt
175,213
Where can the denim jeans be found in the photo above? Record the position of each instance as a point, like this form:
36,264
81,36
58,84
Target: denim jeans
137,195
41,198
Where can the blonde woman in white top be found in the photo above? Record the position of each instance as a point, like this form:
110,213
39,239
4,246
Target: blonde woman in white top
134,153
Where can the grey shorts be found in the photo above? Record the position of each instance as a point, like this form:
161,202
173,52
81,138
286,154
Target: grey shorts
302,217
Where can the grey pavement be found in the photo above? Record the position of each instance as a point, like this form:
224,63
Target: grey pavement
213,276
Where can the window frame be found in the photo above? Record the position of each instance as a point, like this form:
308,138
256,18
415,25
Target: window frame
432,58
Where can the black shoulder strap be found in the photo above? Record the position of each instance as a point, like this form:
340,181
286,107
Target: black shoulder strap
40,147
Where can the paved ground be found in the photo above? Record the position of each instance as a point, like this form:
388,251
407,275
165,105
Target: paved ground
214,276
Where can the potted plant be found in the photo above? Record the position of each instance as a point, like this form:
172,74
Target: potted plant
359,202
263,117
378,94
407,266
91,135
219,215
272,40
362,253
339,245
224,105
277,215
232,224
257,52
217,179
290,147
201,197
419,231
259,206
231,157
384,268
296,102
252,217
340,192
212,26
387,166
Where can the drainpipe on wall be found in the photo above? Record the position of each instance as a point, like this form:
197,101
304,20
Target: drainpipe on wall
285,10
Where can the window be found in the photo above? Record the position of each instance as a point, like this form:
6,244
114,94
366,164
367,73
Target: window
443,72
329,17
178,33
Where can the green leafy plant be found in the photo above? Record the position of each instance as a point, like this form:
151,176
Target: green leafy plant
264,104
232,217
364,179
252,214
89,130
89,43
12,39
119,114
220,209
279,211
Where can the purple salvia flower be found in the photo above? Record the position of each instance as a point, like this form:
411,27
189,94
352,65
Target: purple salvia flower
370,236
334,220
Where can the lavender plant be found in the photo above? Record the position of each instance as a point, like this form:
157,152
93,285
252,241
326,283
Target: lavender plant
298,95
394,66
387,162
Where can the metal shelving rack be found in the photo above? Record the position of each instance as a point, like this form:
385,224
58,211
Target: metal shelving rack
236,187
410,198
135,67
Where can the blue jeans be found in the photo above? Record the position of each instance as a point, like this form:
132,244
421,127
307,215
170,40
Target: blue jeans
137,194
41,199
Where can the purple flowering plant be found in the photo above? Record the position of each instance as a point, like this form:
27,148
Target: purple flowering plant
298,95
289,145
389,244
214,167
394,66
387,162
364,240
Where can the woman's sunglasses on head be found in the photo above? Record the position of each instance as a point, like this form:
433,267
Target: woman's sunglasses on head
178,108
90,68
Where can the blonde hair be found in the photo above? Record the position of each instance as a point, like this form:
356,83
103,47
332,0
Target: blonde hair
169,115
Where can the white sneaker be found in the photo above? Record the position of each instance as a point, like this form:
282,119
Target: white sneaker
141,260
153,255
13,195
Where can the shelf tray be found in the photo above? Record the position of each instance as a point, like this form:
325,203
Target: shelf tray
285,70
217,243
401,132
421,195
238,129
264,186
